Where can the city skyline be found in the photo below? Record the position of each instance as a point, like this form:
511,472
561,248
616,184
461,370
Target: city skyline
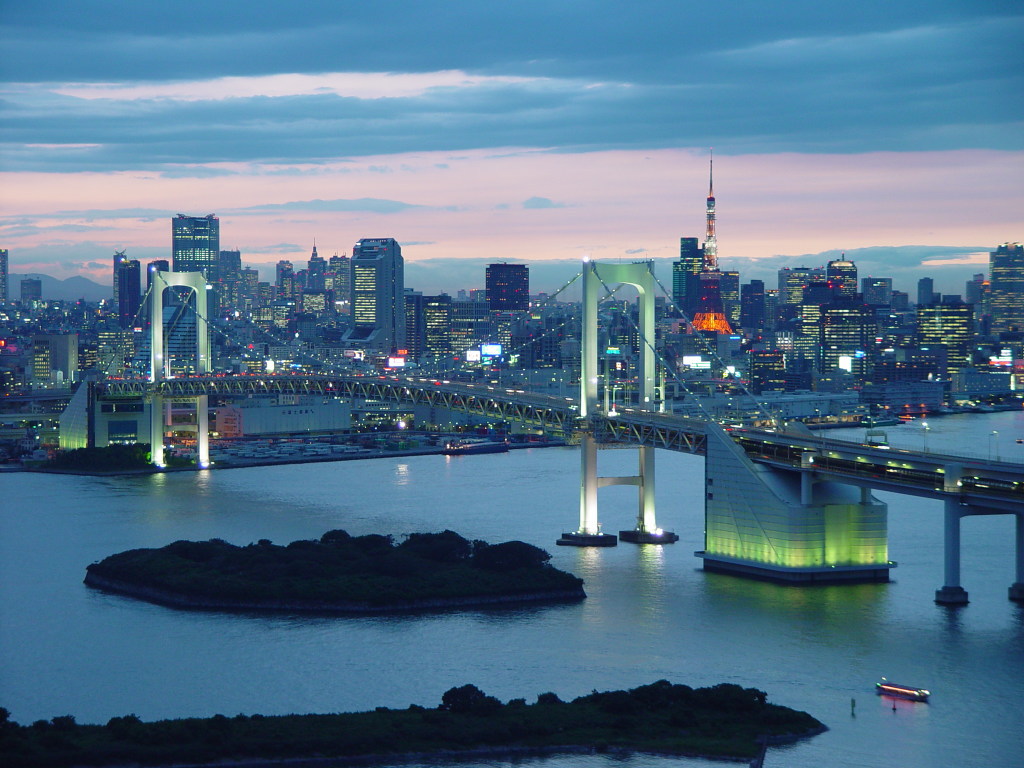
891,136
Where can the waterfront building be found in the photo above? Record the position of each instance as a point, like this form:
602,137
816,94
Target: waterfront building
378,295
437,326
507,287
1006,288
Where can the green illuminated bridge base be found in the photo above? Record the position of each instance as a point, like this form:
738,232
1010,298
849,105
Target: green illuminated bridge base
778,505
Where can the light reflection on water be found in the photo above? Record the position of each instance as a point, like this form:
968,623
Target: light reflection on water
651,613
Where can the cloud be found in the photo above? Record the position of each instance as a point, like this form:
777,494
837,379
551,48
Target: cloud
370,204
541,202
258,83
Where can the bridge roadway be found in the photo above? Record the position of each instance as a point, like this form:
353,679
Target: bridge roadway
993,485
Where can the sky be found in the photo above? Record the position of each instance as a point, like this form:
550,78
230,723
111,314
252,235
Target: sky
535,132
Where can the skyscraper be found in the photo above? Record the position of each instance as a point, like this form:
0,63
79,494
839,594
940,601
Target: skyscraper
791,284
316,268
686,276
3,275
129,292
119,259
925,291
848,330
508,287
752,306
378,294
949,325
842,274
195,244
1006,288
877,291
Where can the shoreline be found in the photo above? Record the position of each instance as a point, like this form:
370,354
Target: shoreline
374,453
178,600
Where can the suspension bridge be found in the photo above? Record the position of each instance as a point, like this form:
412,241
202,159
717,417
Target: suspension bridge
779,502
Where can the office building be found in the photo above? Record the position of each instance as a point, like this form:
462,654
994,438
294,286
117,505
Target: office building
55,358
842,274
119,258
31,290
316,271
129,293
848,330
415,330
1006,288
791,284
877,291
974,291
686,276
949,325
437,322
925,291
767,371
752,306
378,295
195,244
508,287
3,276
729,285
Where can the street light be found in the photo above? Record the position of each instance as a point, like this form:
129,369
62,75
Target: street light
993,442
924,424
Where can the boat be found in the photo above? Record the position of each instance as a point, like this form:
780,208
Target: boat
471,445
901,691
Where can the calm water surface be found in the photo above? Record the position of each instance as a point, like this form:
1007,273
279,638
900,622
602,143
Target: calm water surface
651,613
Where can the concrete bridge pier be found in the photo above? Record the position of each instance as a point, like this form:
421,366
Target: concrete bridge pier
1017,588
952,593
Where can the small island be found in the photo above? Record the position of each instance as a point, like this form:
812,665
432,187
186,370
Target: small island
724,721
339,573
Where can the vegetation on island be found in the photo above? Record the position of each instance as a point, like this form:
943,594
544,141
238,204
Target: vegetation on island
339,572
111,458
721,721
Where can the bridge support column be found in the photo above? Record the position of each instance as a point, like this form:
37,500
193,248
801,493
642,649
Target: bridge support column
952,593
203,432
647,530
156,430
589,533
1017,588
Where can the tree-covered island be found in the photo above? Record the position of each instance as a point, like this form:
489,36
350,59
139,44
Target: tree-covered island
338,573
724,721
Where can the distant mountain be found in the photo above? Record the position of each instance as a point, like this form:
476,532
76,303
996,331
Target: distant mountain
71,289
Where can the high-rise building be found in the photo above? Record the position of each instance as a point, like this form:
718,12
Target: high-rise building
3,275
129,292
316,269
415,327
437,322
31,289
791,284
752,306
229,280
974,291
686,276
378,294
766,371
1006,288
339,279
949,325
729,285
55,358
842,274
877,291
195,244
119,259
848,330
925,290
508,287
